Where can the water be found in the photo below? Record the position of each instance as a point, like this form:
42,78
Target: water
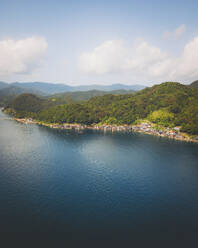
96,186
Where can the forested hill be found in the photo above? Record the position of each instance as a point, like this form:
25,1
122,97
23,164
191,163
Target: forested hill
169,104
194,84
8,94
79,96
26,101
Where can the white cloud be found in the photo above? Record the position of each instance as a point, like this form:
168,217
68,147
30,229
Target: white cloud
141,60
108,57
176,34
113,56
21,56
187,64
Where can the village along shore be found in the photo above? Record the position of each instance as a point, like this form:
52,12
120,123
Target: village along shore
143,126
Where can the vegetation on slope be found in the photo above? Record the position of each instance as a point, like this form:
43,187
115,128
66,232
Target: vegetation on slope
27,105
169,104
79,96
9,92
194,84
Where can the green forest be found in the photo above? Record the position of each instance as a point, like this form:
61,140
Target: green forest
168,104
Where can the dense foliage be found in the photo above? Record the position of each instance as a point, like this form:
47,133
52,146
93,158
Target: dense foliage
161,117
27,105
167,104
79,96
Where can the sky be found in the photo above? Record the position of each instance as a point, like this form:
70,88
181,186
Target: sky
82,42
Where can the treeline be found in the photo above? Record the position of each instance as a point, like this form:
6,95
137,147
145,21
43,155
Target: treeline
168,104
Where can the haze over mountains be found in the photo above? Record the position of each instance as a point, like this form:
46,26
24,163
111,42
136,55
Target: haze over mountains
42,88
63,93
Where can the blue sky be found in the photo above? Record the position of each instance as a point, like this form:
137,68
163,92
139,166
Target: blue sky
87,42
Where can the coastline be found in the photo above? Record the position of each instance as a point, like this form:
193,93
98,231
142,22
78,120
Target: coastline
144,127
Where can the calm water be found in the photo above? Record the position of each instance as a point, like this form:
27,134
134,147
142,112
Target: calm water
96,186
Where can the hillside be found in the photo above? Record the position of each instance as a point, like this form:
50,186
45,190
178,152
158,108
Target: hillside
20,103
168,104
28,102
9,92
194,84
79,96
59,92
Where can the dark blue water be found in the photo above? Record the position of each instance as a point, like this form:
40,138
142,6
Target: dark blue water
96,186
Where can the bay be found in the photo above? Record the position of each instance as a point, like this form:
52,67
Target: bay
93,185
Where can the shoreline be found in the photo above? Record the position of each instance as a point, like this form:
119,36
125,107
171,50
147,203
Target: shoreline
143,127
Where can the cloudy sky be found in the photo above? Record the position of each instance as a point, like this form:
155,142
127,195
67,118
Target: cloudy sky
103,41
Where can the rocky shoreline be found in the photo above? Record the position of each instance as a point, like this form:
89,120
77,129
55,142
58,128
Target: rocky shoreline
143,127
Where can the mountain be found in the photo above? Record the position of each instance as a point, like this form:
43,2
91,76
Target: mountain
62,93
50,88
52,100
45,88
168,104
10,91
3,85
194,84
27,101
78,96
108,87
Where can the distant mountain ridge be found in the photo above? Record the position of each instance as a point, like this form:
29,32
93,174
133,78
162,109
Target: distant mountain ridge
111,87
44,88
51,88
10,91
3,85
